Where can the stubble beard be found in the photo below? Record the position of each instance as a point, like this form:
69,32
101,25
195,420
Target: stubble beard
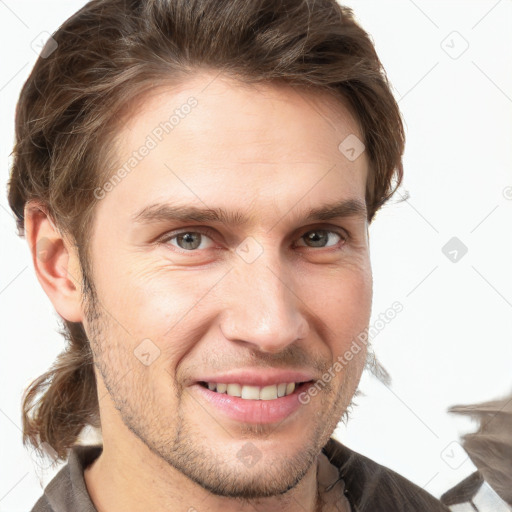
182,447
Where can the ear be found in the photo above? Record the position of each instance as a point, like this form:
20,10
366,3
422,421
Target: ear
55,262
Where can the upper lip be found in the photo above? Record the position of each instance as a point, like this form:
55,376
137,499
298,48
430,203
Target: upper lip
250,377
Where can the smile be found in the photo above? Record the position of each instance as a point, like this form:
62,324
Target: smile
271,392
252,404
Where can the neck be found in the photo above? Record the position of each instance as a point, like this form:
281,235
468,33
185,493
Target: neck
131,477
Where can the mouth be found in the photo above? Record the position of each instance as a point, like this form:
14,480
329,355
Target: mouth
252,404
247,392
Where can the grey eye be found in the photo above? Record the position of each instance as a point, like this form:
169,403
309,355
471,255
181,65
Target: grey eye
319,238
189,240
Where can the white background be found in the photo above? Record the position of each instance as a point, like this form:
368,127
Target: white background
452,342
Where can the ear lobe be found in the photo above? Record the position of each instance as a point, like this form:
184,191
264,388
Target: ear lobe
56,262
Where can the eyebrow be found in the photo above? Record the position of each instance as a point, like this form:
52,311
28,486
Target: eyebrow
161,212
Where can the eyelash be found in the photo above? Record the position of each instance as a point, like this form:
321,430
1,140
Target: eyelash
211,234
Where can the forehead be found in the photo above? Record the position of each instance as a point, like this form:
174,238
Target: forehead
215,139
266,111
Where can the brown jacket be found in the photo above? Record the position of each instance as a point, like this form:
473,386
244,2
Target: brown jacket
369,486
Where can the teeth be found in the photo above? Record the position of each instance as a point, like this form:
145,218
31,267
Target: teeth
251,392
290,388
254,392
268,393
234,390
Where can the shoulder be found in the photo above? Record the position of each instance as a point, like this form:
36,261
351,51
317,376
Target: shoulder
372,487
67,490
42,505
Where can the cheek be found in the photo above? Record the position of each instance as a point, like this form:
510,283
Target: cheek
158,302
138,289
342,299
341,304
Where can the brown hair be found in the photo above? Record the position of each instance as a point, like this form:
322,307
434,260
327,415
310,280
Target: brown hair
112,51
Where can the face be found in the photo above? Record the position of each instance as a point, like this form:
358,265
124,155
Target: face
263,293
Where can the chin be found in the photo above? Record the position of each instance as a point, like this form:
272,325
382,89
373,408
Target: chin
250,484
249,468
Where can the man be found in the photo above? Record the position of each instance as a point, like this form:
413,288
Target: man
195,179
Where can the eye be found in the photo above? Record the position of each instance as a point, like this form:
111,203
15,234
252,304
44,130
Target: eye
320,238
189,240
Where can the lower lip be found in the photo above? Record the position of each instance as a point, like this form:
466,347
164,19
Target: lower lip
253,411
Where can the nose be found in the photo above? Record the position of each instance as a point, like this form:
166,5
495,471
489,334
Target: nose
261,307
